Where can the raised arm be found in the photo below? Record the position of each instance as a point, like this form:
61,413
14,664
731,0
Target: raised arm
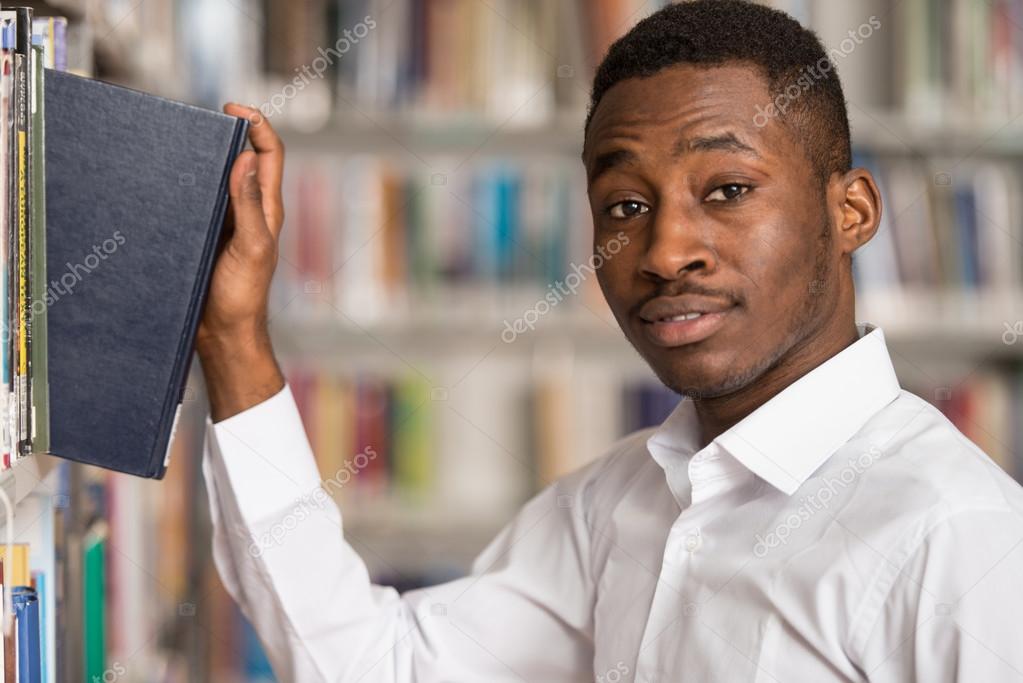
523,615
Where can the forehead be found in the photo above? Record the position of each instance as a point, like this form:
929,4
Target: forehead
688,101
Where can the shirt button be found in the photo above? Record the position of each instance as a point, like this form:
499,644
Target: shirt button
693,541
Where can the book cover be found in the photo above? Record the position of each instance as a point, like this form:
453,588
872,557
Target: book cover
136,190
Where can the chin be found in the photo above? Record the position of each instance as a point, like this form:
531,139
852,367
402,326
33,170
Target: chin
708,376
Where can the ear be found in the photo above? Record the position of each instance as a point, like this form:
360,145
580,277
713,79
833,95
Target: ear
856,208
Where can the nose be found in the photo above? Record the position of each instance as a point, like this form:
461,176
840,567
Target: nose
676,245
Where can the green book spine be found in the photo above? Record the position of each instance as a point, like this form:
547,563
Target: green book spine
412,439
94,612
40,379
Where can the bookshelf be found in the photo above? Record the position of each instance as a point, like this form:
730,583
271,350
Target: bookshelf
441,326
26,477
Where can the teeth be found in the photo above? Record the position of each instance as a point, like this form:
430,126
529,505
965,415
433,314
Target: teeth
685,316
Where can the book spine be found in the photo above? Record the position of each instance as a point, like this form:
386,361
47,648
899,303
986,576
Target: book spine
25,85
13,244
39,385
26,615
24,319
6,123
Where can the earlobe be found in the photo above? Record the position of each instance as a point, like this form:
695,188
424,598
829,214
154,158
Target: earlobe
861,208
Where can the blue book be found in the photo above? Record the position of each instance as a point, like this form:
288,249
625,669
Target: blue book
136,193
26,625
42,591
969,249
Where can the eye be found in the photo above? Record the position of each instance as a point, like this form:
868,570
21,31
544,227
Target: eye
628,209
728,193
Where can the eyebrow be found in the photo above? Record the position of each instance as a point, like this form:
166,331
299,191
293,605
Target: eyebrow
725,142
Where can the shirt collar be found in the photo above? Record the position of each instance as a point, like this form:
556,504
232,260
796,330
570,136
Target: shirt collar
786,439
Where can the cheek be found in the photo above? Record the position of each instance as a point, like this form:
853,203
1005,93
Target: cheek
781,263
614,255
610,280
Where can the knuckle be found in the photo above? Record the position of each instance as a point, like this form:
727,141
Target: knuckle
252,191
262,249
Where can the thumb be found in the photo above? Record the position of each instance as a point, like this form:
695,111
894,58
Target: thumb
247,198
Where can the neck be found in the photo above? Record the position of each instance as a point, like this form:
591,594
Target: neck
718,414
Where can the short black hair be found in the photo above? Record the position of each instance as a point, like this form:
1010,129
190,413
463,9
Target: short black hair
800,74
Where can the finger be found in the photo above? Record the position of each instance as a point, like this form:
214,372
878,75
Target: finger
250,229
270,151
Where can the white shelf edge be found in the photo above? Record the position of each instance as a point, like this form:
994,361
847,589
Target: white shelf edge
25,476
954,322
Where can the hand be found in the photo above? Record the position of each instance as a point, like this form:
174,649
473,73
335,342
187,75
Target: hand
233,340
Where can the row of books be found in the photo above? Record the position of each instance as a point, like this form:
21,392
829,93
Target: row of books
987,407
27,46
516,63
370,238
961,61
379,436
944,225
369,433
401,57
163,616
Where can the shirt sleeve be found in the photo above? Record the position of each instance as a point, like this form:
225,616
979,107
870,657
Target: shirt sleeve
524,614
952,610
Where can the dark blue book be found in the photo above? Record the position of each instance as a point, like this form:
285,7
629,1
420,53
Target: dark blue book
969,249
136,193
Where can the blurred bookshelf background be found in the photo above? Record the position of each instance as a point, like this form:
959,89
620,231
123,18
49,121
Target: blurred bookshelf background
434,198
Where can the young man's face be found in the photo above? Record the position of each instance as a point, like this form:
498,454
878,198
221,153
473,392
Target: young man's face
719,257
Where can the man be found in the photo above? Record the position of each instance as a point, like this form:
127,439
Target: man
799,517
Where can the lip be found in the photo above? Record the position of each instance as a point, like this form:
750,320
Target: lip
662,331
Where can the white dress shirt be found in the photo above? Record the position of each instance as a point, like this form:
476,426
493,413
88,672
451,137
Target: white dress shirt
844,531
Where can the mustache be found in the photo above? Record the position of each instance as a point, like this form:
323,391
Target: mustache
674,289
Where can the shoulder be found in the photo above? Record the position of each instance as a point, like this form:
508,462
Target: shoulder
937,513
918,465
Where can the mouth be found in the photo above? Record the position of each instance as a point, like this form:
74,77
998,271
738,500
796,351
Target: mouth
680,321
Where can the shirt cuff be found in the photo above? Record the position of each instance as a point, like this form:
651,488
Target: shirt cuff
265,456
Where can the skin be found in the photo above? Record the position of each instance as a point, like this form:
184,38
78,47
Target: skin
725,217
233,341
707,212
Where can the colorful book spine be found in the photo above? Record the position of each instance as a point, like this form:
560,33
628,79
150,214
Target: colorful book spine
27,633
94,608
